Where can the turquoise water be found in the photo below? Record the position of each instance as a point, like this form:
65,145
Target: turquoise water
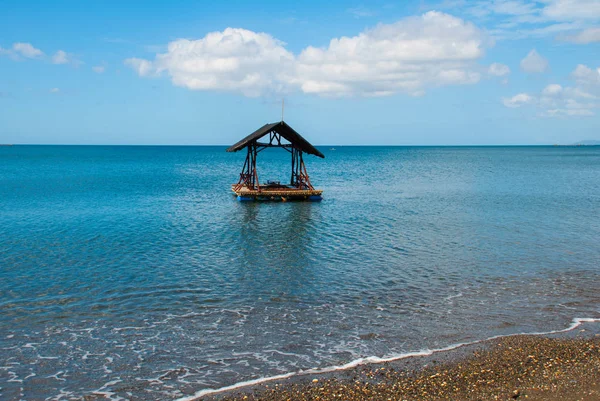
132,272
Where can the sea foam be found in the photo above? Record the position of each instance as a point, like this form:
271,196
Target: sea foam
375,359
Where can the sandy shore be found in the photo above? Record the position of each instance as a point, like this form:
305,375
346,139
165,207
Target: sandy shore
549,368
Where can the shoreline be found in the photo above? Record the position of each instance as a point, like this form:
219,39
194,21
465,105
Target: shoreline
303,384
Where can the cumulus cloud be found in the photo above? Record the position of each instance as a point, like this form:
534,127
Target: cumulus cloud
552,90
144,68
534,62
555,100
586,76
584,37
22,50
566,102
27,50
60,57
408,56
54,90
233,60
99,69
498,70
517,100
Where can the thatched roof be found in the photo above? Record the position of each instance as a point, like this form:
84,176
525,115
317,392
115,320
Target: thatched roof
282,129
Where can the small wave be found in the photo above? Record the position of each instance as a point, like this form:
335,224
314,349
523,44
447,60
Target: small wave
375,359
448,298
102,391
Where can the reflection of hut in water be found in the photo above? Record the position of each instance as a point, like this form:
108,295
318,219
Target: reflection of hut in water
274,250
282,136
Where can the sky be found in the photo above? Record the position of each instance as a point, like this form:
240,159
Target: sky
453,72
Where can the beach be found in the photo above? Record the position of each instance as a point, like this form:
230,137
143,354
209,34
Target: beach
536,368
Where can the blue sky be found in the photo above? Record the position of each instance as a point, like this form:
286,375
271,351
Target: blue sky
377,73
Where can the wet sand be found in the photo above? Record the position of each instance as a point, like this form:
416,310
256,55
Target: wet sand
562,367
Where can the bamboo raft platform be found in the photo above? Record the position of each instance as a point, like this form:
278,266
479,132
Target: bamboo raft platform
281,135
277,194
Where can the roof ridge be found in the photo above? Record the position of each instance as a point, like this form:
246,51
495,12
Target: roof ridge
285,130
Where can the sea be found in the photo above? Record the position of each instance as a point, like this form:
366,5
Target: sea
133,273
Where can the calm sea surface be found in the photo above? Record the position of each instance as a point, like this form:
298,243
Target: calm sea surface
133,273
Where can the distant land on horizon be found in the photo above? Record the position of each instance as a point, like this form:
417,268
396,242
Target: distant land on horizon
589,142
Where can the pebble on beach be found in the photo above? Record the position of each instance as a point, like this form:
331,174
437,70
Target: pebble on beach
521,367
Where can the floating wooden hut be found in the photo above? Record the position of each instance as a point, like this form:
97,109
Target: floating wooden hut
280,135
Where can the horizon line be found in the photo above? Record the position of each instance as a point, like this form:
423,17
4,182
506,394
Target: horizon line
323,145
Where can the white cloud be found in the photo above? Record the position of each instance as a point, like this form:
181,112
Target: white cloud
498,70
21,50
552,90
517,30
99,69
566,103
26,50
361,12
586,76
571,101
60,57
586,36
518,100
144,68
513,7
572,9
408,56
517,19
568,112
233,60
534,62
54,90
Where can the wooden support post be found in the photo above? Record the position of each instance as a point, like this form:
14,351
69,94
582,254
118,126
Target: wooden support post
256,182
293,177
